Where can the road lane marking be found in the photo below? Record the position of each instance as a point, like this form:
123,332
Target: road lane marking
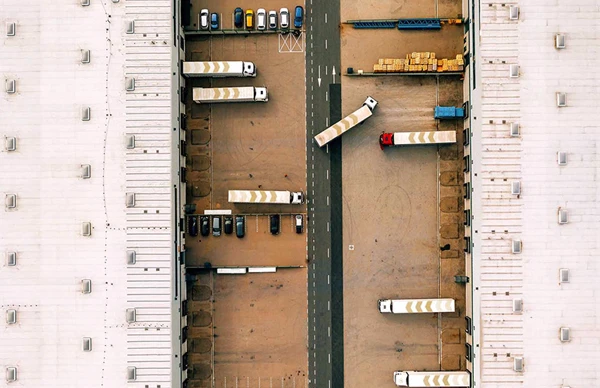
327,279
325,44
328,200
328,331
327,171
325,17
327,121
328,305
328,226
326,95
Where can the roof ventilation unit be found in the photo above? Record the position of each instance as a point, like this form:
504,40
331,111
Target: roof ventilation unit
513,12
85,56
130,142
561,99
514,71
130,84
10,144
516,247
131,315
517,305
86,171
85,3
11,259
561,158
11,374
86,113
86,286
559,41
11,86
565,334
515,130
131,27
518,364
11,29
131,257
131,373
130,199
563,275
86,229
563,216
515,187
87,344
11,316
11,201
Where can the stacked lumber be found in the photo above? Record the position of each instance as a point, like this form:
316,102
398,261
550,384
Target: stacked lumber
419,62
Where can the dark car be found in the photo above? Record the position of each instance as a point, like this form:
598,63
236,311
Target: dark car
238,17
239,226
299,223
214,21
275,224
298,17
228,225
193,225
204,226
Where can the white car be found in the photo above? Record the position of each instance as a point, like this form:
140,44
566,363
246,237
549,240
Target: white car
204,15
273,20
261,19
284,18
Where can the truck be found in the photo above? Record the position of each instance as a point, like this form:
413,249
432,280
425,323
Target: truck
432,379
265,196
348,122
241,94
448,112
406,306
416,138
219,69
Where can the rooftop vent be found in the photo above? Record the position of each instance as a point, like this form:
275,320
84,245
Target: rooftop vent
11,316
565,334
515,187
131,27
130,142
130,84
86,286
11,201
516,246
86,229
518,364
514,71
563,216
86,171
517,305
563,275
85,56
559,41
561,99
11,86
131,315
11,29
11,259
515,130
513,13
11,374
131,257
85,3
87,344
131,373
10,144
130,199
561,158
86,113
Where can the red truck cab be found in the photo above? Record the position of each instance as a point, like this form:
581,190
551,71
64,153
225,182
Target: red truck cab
386,140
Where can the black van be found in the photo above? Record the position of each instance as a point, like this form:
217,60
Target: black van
204,225
239,226
275,224
193,225
228,225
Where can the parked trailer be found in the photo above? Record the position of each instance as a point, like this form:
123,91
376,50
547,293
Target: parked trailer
416,138
407,306
432,379
242,94
219,69
348,122
264,196
448,112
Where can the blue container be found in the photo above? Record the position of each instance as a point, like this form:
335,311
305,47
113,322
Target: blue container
448,113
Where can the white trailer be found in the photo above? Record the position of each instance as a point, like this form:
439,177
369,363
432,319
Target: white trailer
264,196
416,138
347,123
432,379
407,306
219,69
242,94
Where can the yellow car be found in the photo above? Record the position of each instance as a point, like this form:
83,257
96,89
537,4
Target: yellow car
249,19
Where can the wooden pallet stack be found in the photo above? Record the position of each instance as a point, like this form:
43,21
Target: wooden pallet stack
419,62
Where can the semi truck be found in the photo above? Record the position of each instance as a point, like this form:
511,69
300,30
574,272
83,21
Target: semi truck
432,379
348,122
265,196
415,138
406,306
241,94
219,69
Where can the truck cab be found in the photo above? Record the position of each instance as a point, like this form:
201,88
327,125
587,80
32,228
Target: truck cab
261,94
401,379
371,103
297,198
249,69
384,305
386,140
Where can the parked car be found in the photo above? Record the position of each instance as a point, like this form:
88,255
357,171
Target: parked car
273,20
274,224
204,14
238,17
284,18
193,225
299,223
228,225
216,226
239,226
214,21
204,225
261,19
298,17
249,19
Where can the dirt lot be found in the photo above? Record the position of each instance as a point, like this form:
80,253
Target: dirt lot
397,9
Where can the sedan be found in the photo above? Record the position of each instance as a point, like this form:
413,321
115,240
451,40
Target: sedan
284,18
204,14
273,20
239,226
274,224
214,21
249,19
204,225
238,18
193,225
299,17
228,225
261,19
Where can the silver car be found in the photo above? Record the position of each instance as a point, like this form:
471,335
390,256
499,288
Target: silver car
273,20
261,19
284,18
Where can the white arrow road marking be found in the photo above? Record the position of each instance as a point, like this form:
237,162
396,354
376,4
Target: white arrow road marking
333,72
319,78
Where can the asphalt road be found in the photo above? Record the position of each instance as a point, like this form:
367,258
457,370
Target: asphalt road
323,106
